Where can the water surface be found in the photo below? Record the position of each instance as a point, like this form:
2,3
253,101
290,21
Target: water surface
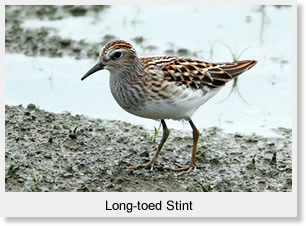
54,83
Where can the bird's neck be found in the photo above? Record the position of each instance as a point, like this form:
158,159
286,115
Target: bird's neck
128,72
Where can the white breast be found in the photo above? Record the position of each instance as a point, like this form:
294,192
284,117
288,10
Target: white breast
178,107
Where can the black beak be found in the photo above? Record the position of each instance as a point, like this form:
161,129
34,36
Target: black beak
99,66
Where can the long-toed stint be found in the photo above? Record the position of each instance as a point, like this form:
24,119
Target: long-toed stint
163,88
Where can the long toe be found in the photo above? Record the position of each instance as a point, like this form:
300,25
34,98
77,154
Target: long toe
184,169
147,165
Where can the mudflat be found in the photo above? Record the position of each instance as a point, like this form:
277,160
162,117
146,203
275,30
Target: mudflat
48,152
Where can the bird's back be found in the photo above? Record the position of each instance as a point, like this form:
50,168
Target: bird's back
197,74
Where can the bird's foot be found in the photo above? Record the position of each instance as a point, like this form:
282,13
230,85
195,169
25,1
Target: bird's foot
181,168
184,169
147,165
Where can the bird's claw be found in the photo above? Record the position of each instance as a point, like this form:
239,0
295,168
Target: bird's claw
147,165
184,169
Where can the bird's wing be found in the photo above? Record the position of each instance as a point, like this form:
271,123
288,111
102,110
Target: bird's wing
197,74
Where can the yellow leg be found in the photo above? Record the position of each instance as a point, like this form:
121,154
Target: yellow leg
152,162
196,135
192,165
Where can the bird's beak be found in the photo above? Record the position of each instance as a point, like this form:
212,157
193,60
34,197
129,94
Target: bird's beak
99,66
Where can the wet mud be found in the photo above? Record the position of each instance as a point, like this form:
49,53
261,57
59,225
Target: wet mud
52,152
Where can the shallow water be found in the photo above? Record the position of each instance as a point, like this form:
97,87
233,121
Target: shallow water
54,83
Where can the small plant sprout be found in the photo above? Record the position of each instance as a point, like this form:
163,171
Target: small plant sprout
35,176
72,133
37,108
156,131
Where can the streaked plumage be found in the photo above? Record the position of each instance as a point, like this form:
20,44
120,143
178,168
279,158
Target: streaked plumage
164,87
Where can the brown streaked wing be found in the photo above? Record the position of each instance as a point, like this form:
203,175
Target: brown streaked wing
221,73
238,67
197,74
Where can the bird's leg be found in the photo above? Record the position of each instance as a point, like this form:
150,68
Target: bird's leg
166,133
152,162
196,135
192,164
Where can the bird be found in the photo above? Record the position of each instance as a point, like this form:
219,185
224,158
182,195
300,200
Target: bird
164,87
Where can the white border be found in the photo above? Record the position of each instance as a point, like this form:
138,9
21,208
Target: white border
205,204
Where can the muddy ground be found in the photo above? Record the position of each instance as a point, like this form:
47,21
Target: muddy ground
45,151
63,152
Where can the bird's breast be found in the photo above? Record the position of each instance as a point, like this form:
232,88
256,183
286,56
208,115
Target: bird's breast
156,101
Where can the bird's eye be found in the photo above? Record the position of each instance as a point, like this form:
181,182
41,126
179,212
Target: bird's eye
117,55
